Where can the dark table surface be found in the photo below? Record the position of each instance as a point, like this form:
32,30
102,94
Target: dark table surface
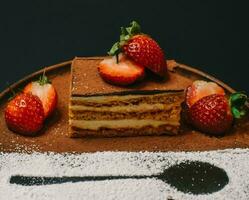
210,35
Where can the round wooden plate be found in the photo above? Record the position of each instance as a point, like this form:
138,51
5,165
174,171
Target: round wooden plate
54,136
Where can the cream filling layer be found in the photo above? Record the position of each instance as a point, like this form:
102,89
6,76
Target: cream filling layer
115,124
133,108
105,99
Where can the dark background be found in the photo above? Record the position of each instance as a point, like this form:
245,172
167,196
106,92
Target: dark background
210,35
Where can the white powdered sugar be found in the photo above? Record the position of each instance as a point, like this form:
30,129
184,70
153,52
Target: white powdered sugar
234,161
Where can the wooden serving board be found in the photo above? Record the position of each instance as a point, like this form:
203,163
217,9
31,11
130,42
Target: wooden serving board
54,136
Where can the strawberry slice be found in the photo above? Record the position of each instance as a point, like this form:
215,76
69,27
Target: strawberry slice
200,89
24,114
123,72
141,48
45,91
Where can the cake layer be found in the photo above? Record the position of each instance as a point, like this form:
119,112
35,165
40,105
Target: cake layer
117,124
86,81
119,132
165,97
173,113
129,108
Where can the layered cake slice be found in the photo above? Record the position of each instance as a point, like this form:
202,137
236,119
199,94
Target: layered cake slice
97,108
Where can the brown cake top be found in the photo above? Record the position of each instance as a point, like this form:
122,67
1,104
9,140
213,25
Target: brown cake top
86,81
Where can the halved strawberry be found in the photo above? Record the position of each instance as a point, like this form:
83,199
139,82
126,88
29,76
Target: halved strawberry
124,72
200,89
45,91
25,114
141,48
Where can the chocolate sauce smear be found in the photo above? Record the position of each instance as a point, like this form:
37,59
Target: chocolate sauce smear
195,177
189,177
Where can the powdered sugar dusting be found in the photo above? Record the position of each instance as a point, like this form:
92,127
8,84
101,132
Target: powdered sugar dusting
234,161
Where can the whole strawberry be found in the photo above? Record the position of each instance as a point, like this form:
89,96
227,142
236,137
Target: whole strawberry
140,48
209,110
211,114
45,91
24,114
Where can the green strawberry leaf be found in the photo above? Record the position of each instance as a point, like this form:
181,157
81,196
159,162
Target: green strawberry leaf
114,50
43,80
123,34
239,104
236,113
126,34
134,29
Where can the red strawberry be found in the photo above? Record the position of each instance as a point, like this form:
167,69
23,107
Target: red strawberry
46,92
24,114
145,51
211,114
200,89
124,72
141,48
209,110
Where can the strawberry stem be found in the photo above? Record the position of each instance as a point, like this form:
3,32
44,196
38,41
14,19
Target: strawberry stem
43,79
117,58
239,104
126,34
